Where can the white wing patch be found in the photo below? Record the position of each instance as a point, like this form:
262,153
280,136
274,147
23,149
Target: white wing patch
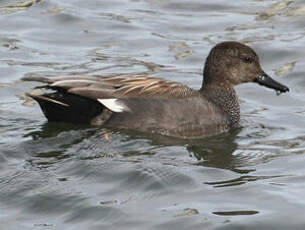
114,105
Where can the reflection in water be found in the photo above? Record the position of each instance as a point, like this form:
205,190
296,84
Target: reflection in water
52,129
50,144
240,180
56,139
210,152
217,152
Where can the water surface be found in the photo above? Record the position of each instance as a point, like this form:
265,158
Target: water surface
62,176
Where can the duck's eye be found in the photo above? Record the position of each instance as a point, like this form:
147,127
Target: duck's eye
247,59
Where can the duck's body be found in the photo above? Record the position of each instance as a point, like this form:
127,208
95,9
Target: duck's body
155,105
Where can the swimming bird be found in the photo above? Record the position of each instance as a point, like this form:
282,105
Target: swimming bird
155,105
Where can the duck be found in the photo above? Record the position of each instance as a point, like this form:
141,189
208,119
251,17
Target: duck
155,105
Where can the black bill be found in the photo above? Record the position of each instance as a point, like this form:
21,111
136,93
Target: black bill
267,81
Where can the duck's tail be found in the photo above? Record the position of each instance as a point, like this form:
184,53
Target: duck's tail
65,107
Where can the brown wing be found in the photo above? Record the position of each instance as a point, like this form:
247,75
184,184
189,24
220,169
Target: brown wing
123,86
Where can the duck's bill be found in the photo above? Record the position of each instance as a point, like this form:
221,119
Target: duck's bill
265,80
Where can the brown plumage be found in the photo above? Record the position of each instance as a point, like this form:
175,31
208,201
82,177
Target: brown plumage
156,105
122,86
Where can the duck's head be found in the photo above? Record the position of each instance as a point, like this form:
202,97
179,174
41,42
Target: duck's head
231,63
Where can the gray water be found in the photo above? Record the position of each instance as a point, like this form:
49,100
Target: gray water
61,176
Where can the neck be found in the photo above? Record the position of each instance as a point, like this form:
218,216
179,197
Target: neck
226,99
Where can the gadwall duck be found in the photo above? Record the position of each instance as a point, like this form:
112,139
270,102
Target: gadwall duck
155,105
